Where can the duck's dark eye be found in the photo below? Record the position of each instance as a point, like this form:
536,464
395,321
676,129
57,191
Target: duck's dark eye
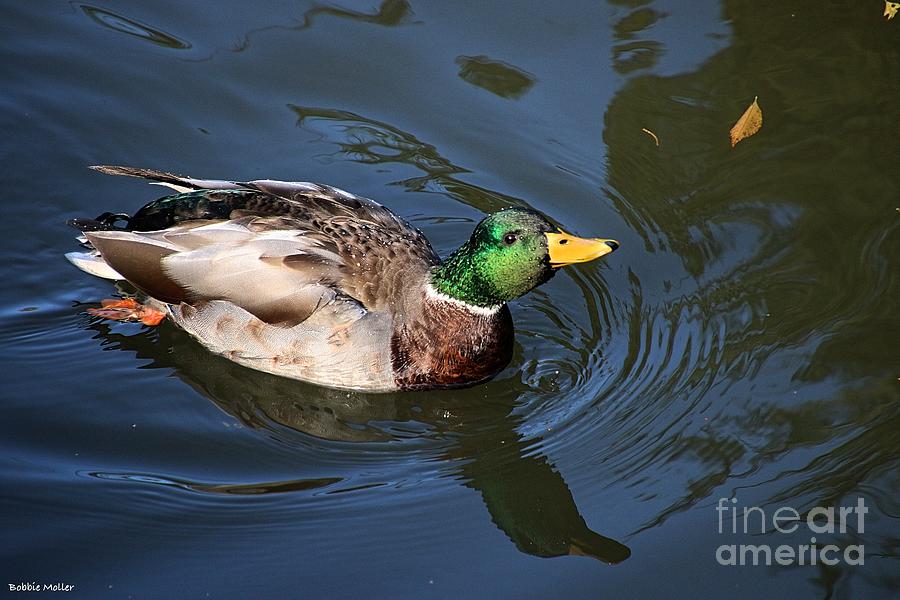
509,239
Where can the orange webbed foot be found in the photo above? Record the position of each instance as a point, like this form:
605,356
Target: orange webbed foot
127,309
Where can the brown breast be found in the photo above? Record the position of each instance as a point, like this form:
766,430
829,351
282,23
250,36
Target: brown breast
448,346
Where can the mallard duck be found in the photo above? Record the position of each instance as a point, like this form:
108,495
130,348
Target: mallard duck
310,282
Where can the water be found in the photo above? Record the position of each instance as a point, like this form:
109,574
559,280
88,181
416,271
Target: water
742,343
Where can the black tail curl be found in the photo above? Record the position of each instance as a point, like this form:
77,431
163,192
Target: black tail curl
106,222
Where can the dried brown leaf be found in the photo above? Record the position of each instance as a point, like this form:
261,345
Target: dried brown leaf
748,124
890,9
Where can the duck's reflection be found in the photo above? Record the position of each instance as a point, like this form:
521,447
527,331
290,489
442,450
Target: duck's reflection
527,499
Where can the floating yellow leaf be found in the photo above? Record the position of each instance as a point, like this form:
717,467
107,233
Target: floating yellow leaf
748,124
890,9
651,134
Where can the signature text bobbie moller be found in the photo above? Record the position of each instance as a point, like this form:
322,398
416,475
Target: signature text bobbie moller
34,586
751,520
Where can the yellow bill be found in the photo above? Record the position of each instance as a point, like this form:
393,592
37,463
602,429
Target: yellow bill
566,249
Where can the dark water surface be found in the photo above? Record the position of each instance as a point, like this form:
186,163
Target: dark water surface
742,343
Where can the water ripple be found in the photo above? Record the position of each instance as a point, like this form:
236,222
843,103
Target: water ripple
122,24
240,489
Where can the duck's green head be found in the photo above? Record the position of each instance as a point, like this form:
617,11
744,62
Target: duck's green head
510,253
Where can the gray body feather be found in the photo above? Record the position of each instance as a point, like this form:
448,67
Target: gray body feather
303,280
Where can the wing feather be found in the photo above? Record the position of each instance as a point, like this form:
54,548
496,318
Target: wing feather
277,249
227,261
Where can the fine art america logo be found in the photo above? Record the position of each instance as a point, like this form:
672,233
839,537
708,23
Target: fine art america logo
752,520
